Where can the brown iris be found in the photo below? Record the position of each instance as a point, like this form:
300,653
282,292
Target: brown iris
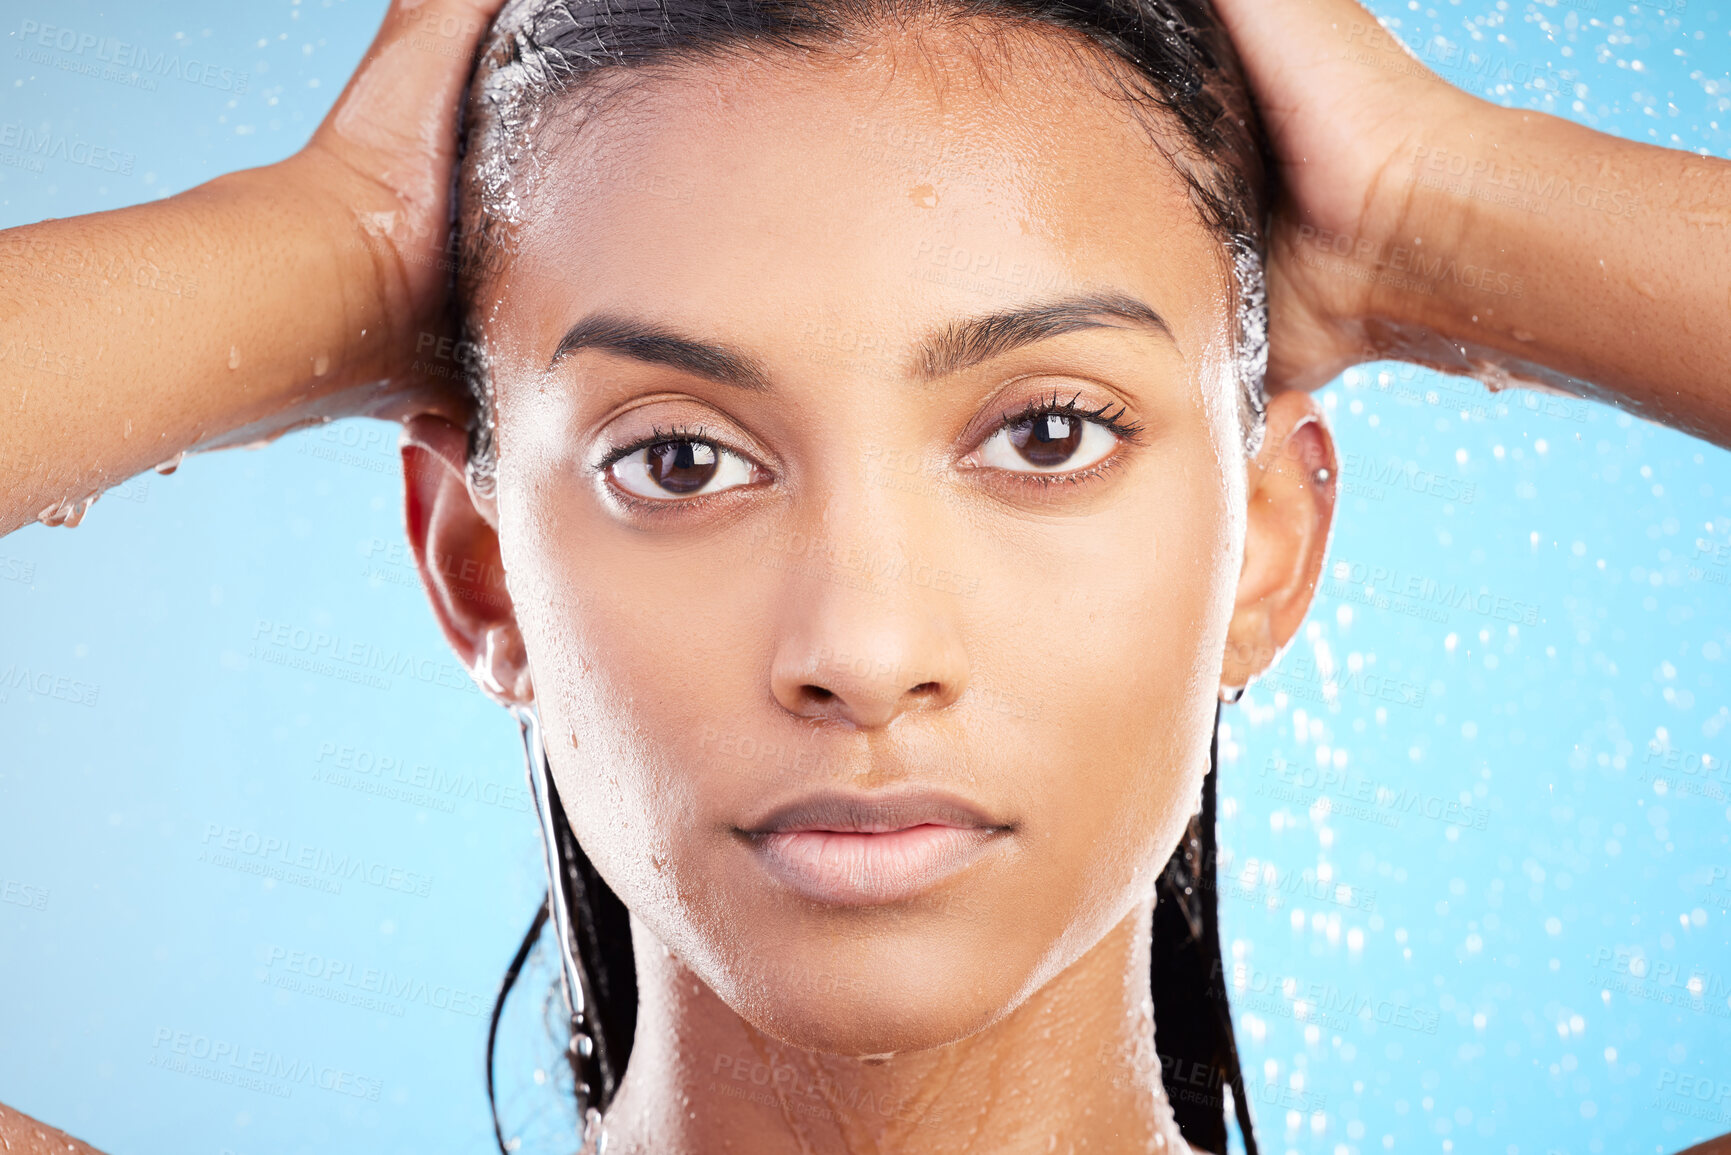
682,466
1046,440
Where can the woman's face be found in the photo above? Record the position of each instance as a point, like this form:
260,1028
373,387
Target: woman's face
838,577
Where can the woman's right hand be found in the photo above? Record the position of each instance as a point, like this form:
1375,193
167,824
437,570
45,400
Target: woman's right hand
261,301
385,153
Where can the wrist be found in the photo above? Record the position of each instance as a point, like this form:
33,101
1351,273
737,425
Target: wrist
1362,262
1420,217
341,276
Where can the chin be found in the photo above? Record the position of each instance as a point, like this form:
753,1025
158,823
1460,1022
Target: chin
864,989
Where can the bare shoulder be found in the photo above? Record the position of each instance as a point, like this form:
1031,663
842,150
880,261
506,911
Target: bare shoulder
22,1135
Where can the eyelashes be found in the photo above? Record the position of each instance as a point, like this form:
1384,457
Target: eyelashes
1056,438
1050,439
1128,430
679,464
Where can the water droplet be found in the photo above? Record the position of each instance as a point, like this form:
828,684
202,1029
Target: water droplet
66,511
321,365
172,464
594,1141
234,356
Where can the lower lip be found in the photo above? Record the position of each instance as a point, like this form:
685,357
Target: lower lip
856,869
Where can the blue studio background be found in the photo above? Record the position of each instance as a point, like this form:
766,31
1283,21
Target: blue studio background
1475,884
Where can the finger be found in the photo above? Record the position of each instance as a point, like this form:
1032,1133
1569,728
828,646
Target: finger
403,100
1276,38
1305,57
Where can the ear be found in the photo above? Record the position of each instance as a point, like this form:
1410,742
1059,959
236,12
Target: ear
1291,495
455,536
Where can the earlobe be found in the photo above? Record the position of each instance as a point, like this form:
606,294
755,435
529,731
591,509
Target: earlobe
1291,510
454,534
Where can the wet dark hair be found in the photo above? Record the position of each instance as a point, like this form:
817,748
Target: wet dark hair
1181,68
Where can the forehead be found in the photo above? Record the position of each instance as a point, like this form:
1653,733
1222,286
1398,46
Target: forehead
939,172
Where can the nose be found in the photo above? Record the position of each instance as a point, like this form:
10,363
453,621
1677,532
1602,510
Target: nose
865,649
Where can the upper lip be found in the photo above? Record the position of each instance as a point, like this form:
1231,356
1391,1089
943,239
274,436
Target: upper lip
853,812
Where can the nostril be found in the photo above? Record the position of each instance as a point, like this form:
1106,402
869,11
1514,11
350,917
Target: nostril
925,690
818,693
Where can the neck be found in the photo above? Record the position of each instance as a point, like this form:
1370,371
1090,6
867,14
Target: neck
1073,1069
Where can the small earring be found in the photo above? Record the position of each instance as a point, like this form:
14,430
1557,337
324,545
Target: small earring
1231,694
572,980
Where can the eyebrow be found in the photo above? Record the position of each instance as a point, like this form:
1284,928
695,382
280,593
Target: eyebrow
965,344
958,346
642,341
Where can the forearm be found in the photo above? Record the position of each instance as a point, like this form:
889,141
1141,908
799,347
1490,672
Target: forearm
1531,246
221,315
22,1135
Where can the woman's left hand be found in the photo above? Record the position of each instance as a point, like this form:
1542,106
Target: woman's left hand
1343,103
1418,222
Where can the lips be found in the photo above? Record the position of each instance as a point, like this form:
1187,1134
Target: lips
847,849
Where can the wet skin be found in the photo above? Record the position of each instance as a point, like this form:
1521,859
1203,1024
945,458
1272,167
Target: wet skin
346,239
769,538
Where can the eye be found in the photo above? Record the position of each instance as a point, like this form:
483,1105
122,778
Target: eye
675,468
1048,442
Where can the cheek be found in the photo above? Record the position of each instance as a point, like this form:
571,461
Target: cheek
648,675
1107,655
608,677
